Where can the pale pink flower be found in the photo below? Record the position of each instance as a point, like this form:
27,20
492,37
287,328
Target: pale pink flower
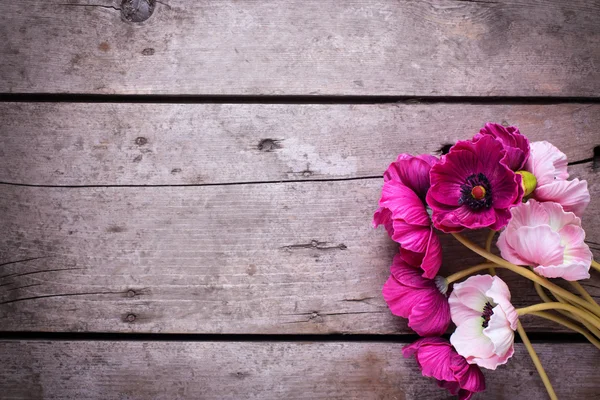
485,321
437,359
544,236
549,166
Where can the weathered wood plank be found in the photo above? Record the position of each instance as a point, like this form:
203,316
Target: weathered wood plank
146,144
255,258
316,47
224,370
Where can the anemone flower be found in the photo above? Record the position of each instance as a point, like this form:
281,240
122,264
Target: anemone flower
544,236
437,359
515,144
402,210
471,187
485,321
423,301
549,166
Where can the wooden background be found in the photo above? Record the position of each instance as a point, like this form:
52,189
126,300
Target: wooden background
186,202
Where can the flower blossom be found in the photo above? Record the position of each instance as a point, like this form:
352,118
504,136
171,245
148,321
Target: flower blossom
471,187
515,144
485,321
419,299
437,359
544,236
402,210
549,166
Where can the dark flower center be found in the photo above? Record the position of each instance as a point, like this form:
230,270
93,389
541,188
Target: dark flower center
487,314
476,192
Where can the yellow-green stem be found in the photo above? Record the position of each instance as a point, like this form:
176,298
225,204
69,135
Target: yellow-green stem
568,324
583,292
488,247
547,299
536,362
457,276
561,306
596,265
594,308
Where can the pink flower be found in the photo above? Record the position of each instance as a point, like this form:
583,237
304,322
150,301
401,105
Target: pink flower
549,166
485,321
471,187
437,359
402,210
411,296
515,144
544,236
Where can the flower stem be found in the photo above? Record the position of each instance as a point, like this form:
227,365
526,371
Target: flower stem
488,247
502,263
582,292
547,299
568,324
457,276
561,306
536,362
596,265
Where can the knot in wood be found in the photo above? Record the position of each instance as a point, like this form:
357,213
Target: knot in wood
137,10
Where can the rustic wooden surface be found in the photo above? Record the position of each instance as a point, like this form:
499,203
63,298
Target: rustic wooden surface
166,144
228,370
192,213
296,257
315,47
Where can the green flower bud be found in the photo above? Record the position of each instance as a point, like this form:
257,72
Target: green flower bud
529,182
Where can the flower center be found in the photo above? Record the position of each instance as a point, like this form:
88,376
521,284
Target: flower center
476,192
487,314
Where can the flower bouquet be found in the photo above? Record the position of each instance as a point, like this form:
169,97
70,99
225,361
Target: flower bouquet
501,182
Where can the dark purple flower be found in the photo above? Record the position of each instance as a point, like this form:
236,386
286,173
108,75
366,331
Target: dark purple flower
419,299
438,359
471,187
402,210
515,144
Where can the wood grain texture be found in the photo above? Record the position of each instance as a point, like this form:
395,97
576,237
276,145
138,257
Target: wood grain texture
225,370
255,258
316,47
165,144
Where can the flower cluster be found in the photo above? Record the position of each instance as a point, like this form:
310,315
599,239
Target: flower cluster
496,180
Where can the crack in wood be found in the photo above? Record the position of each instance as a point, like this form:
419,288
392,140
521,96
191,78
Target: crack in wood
38,272
22,261
89,5
57,295
315,244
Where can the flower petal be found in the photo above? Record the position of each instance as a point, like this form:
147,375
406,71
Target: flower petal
573,195
537,245
470,342
403,203
412,237
500,332
546,163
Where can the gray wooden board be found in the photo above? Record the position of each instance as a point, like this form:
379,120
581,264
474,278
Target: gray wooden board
148,144
229,370
314,47
296,257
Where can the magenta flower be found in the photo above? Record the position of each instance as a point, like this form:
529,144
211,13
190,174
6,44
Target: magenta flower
402,210
515,144
419,299
549,166
471,187
544,236
437,359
